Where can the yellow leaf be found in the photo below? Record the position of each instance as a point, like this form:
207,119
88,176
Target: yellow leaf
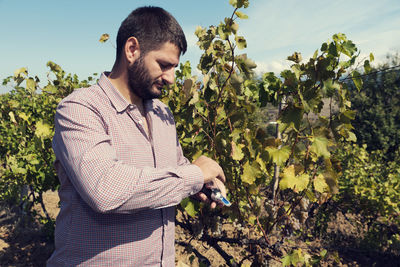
279,155
12,117
261,162
249,173
290,180
320,184
302,182
43,129
50,88
253,189
241,15
19,72
237,153
252,219
23,116
320,146
31,84
104,37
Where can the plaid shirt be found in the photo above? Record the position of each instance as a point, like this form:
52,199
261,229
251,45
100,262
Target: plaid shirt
119,187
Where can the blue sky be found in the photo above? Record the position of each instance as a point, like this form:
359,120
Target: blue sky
67,32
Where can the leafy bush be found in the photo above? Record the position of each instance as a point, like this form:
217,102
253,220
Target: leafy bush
370,187
26,130
378,108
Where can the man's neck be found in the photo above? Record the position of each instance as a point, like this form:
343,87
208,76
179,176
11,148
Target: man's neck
120,81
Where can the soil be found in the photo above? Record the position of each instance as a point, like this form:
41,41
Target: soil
28,243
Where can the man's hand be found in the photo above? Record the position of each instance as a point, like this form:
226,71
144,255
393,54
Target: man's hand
213,177
216,183
210,169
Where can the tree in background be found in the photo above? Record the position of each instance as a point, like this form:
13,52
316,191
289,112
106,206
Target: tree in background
378,108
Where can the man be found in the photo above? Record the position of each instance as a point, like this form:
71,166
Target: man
118,158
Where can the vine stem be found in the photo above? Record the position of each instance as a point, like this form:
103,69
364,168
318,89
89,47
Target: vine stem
258,221
236,178
276,166
221,89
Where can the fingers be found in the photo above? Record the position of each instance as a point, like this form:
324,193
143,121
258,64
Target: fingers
203,198
213,205
220,185
221,175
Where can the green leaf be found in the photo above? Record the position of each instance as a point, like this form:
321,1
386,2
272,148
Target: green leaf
357,79
349,48
332,50
250,63
297,71
320,146
235,135
104,37
239,3
315,54
279,155
190,207
241,15
330,87
292,116
223,32
324,47
351,137
241,42
371,57
296,57
367,66
50,89
286,260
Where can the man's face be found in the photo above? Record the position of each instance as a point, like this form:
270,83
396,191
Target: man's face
149,73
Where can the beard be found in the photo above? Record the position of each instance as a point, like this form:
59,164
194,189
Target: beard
140,81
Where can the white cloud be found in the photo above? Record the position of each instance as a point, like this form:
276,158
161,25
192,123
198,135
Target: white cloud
303,26
273,66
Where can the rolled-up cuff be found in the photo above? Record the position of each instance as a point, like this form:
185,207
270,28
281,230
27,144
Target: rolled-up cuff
193,179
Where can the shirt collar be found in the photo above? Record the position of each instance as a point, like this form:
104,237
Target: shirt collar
116,98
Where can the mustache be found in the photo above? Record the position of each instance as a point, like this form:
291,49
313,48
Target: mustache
160,83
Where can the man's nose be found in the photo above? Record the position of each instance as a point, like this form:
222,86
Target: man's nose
169,76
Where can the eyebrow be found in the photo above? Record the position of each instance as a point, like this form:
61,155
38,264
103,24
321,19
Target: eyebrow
168,64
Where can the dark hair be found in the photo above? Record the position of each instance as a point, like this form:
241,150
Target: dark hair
152,27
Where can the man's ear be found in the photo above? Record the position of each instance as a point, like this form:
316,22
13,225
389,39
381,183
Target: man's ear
132,49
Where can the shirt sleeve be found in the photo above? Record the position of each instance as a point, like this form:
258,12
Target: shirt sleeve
106,184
